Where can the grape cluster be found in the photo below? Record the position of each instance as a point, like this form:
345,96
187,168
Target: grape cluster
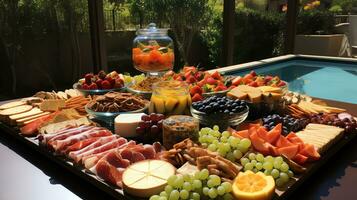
224,143
342,120
201,185
216,104
273,166
150,127
289,123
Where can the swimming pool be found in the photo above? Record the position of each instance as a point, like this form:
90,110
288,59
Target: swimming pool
335,80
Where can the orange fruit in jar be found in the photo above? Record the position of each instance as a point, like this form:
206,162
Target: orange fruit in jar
253,186
155,56
136,51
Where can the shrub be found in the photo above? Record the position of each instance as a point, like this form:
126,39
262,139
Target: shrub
315,22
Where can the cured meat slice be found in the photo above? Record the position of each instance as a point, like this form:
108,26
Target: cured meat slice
67,133
80,144
58,145
100,142
110,173
44,138
149,151
113,144
137,156
91,160
114,158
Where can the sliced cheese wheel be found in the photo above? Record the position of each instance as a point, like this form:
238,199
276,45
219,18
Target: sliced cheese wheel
32,112
12,104
15,110
146,178
27,120
125,124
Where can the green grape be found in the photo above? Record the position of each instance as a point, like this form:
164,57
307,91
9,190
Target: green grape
212,147
216,127
284,177
174,195
244,161
227,186
168,189
277,164
279,159
251,156
215,142
267,172
223,139
226,134
237,154
154,197
210,138
205,131
216,134
162,198
195,196
254,162
279,182
163,194
197,175
241,148
227,147
227,196
269,159
171,180
255,170
216,179
197,184
212,193
248,166
230,156
221,190
259,166
222,152
210,183
187,186
275,173
178,182
284,167
268,165
187,177
246,143
184,194
204,145
205,191
290,173
204,173
260,157
233,141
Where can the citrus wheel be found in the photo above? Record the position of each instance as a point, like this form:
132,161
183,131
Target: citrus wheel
249,185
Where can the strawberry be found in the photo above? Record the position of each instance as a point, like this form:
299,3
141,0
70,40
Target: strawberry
268,78
106,85
253,84
232,87
88,78
196,90
118,83
211,81
190,79
189,68
237,81
220,88
199,75
99,83
178,78
201,83
281,84
110,80
93,86
253,73
188,74
197,97
85,86
216,75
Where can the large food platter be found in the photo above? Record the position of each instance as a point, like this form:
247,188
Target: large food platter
260,132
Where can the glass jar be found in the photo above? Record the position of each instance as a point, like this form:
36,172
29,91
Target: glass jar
153,50
170,98
177,128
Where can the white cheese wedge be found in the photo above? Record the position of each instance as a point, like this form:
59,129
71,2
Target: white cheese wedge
146,178
125,124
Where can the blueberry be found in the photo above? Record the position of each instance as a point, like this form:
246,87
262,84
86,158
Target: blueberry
231,113
234,110
226,111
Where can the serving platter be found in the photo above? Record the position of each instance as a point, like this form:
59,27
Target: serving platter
115,192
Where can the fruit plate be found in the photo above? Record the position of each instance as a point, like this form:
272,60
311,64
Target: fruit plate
221,119
97,91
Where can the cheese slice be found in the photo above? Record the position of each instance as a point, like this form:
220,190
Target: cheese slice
147,177
12,104
125,124
30,118
15,110
52,104
32,112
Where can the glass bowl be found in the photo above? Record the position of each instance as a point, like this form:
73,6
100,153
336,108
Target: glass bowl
145,94
97,91
223,120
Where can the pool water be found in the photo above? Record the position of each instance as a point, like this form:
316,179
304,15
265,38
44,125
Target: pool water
328,80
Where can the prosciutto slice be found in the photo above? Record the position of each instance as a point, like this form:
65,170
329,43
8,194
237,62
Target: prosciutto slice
63,133
58,145
110,173
81,144
113,144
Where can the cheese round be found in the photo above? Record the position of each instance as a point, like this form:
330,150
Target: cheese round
125,124
147,178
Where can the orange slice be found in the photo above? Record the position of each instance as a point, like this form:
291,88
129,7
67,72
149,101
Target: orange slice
253,186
